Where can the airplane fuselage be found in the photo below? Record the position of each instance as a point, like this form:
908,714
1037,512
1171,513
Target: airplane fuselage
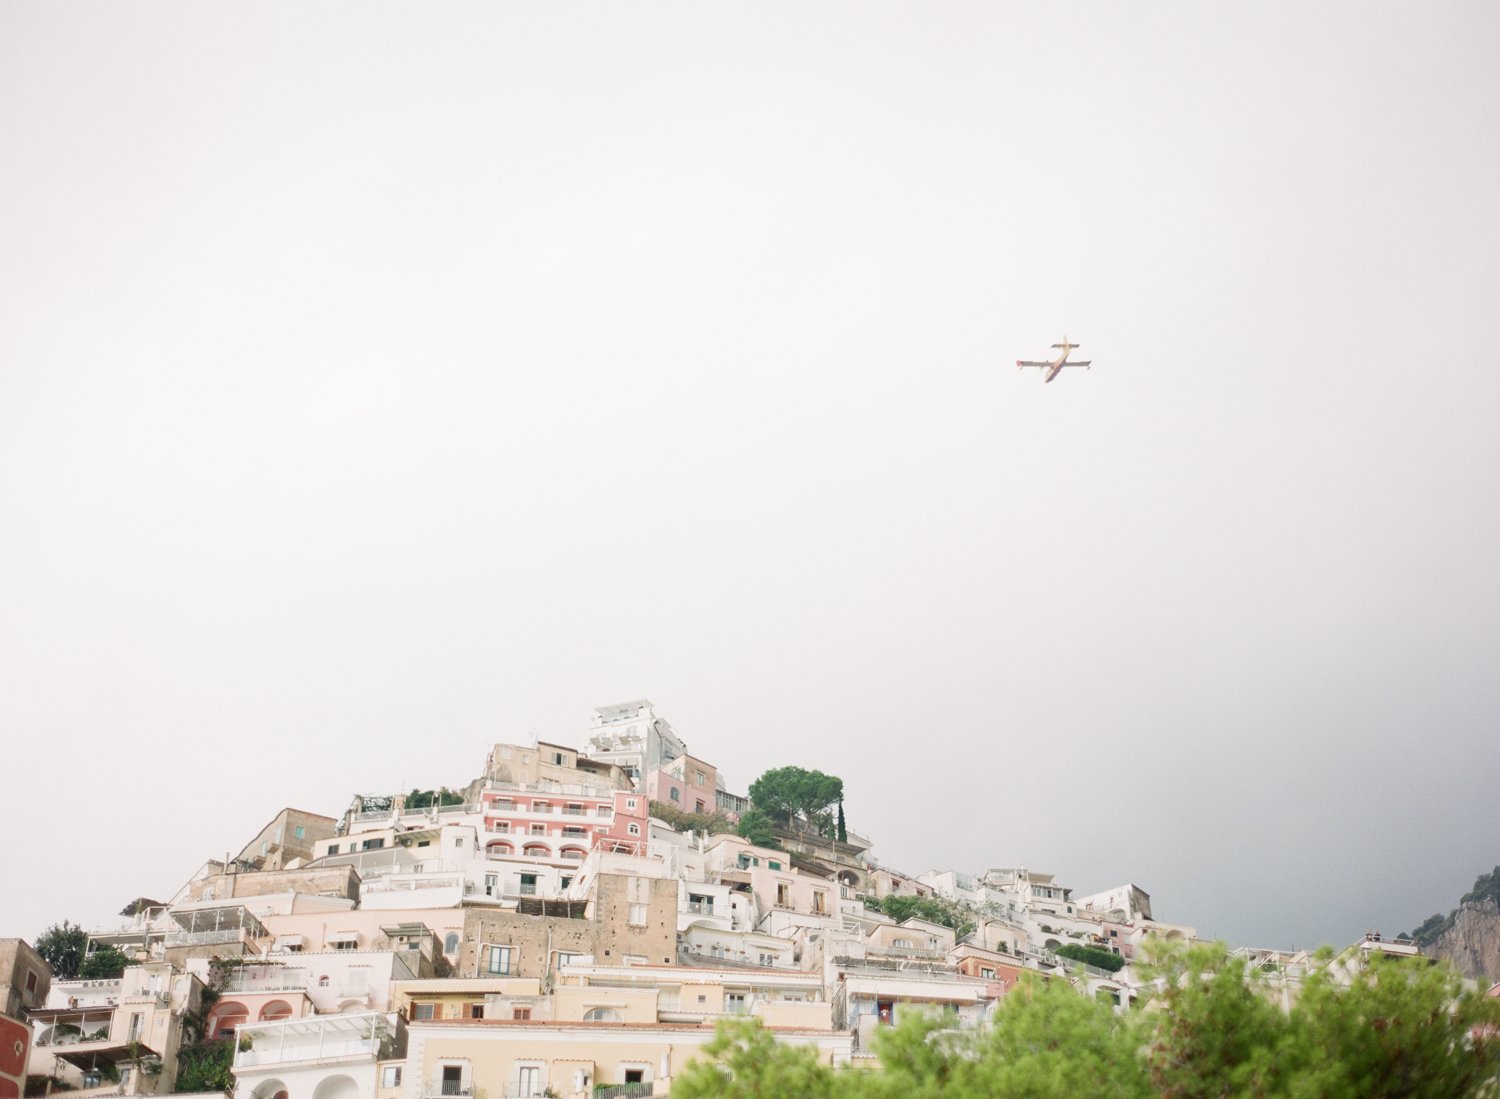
1057,365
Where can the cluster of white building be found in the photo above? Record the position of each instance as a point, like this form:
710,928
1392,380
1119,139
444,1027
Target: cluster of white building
539,932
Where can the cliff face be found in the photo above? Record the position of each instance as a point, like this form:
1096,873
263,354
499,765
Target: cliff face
1472,944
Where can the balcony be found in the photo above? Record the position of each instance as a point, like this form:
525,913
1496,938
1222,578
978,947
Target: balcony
570,811
318,1038
622,1091
204,938
905,952
701,908
275,980
446,1089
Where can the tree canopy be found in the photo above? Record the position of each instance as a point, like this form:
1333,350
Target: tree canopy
1394,1028
755,826
798,796
62,946
105,963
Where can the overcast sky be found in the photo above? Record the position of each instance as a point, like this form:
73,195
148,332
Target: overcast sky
378,382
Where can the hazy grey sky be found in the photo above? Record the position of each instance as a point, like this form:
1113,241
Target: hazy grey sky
381,381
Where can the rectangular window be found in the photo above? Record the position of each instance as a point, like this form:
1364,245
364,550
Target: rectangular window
134,1034
735,1003
638,915
390,1076
476,1011
773,864
699,807
987,974
372,845
423,1012
820,905
333,849
521,1013
538,829
499,960
783,896
300,832
30,981
453,1080
699,778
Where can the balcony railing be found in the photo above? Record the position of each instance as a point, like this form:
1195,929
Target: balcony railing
570,811
623,1091
698,908
206,938
289,980
439,1089
904,952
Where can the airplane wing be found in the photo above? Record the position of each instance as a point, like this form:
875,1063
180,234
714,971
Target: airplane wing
1044,366
1086,362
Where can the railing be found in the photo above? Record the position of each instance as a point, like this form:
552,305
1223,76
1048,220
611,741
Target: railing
440,1090
623,1091
291,980
375,814
447,881
700,909
904,952
205,938
573,788
570,811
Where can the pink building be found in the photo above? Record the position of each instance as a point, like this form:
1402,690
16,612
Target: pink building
685,783
528,822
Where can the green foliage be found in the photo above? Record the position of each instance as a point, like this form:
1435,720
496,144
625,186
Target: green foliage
939,910
712,823
743,1061
106,963
1396,1029
425,799
842,833
204,1066
1095,956
756,827
1486,888
62,946
797,796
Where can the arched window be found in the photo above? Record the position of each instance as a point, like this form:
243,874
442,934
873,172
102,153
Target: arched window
673,794
450,943
575,853
498,849
536,851
603,1015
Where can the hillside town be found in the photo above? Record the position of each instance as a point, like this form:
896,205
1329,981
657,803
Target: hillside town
573,922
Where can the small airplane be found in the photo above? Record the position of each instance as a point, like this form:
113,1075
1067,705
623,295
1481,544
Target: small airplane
1056,365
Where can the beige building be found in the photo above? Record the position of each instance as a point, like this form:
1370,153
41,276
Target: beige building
25,978
510,1059
115,1037
288,837
547,765
626,919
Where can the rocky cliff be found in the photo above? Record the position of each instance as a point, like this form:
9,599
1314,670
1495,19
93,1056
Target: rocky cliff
1469,936
1472,943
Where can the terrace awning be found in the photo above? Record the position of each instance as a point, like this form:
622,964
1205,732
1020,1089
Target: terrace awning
90,1057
